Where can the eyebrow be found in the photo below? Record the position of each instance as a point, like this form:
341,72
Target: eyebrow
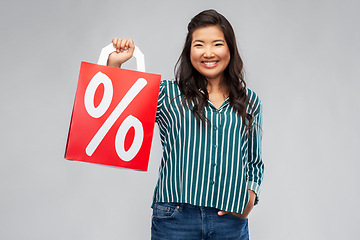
218,40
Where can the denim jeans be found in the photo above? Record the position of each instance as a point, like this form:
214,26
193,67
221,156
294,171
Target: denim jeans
173,221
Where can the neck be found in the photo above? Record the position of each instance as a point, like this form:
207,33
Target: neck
216,86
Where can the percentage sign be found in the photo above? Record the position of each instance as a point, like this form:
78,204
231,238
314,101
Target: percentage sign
130,121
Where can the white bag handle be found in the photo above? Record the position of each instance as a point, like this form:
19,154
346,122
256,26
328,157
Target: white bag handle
106,51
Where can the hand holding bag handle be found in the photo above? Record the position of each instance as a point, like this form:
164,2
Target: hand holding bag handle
106,51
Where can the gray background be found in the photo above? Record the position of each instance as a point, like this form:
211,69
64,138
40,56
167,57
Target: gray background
301,57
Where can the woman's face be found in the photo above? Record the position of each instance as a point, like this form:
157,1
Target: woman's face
209,53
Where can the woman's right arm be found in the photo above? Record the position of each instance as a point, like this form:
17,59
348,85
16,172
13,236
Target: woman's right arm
124,51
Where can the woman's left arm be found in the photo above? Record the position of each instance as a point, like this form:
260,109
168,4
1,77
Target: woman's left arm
255,166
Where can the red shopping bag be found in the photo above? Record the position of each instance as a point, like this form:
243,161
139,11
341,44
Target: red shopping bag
113,116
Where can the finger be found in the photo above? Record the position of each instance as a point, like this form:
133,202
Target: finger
131,42
127,44
122,45
131,46
222,213
116,42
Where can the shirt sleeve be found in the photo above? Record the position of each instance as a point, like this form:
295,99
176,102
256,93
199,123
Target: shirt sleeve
255,166
161,97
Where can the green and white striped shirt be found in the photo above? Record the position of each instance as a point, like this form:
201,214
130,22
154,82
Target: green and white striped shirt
212,165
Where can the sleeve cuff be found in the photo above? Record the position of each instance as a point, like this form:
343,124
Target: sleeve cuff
256,188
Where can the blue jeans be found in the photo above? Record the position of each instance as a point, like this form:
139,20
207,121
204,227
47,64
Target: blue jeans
173,221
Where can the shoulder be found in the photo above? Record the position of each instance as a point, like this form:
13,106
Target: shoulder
254,101
168,91
169,86
167,83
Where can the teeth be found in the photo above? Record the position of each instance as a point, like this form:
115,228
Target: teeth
210,63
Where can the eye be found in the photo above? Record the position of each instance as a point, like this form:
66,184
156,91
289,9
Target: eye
198,45
219,44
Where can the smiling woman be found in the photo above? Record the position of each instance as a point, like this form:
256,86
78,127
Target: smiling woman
210,56
210,130
196,87
209,53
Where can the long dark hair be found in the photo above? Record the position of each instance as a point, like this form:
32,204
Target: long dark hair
193,85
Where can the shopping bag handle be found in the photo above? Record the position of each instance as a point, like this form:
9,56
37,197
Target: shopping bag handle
106,51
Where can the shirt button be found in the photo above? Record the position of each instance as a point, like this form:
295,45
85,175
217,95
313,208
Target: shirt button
214,164
216,128
212,182
215,146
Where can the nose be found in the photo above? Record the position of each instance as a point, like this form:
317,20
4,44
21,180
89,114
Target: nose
208,52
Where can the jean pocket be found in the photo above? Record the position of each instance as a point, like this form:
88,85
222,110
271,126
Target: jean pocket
236,217
165,210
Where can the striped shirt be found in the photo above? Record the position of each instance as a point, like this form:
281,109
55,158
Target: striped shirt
211,165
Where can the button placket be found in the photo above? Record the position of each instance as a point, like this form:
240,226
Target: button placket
216,138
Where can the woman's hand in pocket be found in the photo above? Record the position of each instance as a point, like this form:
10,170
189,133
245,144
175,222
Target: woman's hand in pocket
247,210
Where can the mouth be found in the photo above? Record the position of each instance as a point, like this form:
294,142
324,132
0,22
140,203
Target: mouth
210,64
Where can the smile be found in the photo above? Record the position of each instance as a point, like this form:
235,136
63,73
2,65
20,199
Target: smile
210,64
